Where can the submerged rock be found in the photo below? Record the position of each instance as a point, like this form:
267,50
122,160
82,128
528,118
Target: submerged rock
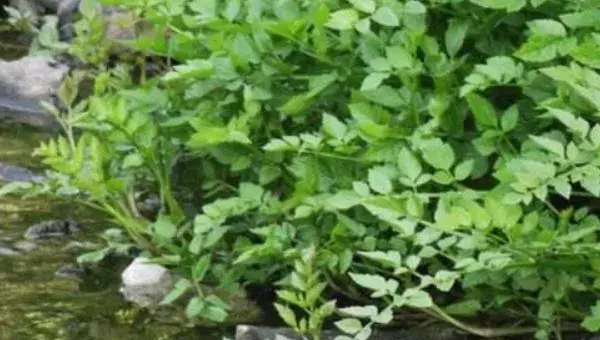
70,271
12,173
145,283
25,246
247,332
8,252
52,228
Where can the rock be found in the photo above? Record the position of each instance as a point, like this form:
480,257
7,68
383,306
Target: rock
70,271
52,228
145,283
78,246
12,173
246,332
25,246
24,83
8,252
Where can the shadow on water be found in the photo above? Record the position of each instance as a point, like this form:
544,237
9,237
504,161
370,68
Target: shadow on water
34,303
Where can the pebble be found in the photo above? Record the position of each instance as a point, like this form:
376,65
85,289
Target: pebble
25,246
52,228
8,252
69,271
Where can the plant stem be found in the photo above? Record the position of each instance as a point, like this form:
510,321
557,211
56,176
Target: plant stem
436,312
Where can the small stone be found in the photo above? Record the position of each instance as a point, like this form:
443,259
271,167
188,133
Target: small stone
8,252
76,245
145,283
70,271
52,228
25,246
12,173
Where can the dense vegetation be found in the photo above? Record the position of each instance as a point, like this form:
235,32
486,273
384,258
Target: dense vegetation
373,158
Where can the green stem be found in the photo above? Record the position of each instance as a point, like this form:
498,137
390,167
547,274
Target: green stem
437,312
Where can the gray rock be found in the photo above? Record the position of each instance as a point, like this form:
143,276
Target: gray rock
25,246
8,252
145,283
12,173
52,228
24,83
69,271
247,332
78,246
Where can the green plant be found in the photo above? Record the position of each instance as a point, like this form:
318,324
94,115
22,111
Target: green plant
441,156
305,289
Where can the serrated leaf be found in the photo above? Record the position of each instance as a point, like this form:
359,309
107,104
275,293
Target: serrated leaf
389,259
194,307
201,267
417,298
444,280
585,18
289,296
464,169
367,6
385,95
385,317
181,287
543,48
551,145
344,199
349,325
379,181
333,126
164,227
438,154
409,165
483,111
547,27
214,313
592,321
373,282
363,25
287,315
327,309
509,5
455,35
386,17
399,57
373,80
343,20
588,52
576,124
359,311
413,262
510,118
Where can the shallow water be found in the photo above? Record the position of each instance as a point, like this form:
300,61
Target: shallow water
34,303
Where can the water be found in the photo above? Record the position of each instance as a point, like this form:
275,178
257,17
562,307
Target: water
34,303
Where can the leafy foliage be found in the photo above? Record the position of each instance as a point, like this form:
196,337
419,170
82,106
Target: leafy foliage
435,156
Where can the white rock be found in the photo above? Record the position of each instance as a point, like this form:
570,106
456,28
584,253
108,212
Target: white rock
145,283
